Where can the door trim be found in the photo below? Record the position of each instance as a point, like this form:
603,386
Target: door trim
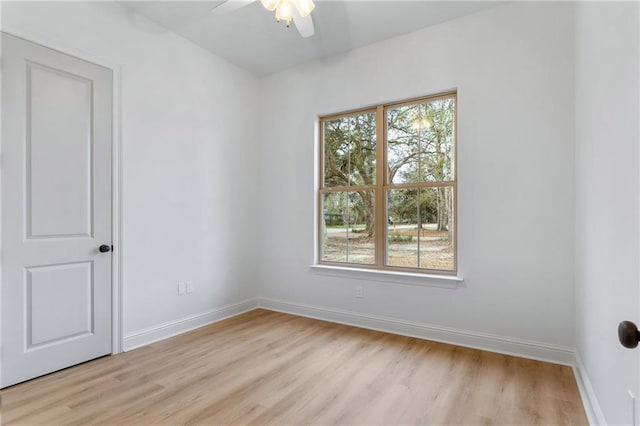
116,173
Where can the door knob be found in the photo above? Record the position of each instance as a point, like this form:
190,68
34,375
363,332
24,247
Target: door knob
104,248
628,334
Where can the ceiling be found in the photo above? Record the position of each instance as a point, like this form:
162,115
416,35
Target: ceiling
250,37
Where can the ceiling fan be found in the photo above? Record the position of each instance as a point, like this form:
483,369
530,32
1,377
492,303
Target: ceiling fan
298,11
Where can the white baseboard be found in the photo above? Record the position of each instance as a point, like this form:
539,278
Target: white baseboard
589,400
510,346
173,328
505,345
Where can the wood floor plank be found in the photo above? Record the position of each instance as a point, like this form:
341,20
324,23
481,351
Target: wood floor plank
265,367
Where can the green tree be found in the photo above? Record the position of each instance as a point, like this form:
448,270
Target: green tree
420,140
350,160
420,146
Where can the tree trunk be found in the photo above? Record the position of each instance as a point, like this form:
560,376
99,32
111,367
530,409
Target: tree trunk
443,209
369,209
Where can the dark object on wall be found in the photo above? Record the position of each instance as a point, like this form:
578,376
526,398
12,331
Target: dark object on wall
628,334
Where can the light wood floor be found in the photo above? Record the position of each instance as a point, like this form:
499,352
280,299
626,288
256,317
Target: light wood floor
271,368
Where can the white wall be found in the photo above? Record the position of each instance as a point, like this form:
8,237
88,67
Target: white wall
513,68
188,156
607,188
186,131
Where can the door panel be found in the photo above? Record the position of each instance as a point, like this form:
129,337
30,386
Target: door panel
73,313
56,210
58,108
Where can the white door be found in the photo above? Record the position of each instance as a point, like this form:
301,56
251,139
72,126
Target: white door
56,210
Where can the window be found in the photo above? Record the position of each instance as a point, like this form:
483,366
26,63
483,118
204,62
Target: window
387,195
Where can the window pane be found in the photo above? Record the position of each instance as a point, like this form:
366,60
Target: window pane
334,230
362,230
350,150
420,234
436,235
348,233
420,141
402,236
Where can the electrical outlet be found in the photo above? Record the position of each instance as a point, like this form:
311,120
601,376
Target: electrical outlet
182,288
189,286
359,292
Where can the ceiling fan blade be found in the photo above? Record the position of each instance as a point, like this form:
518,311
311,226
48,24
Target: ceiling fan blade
230,6
304,25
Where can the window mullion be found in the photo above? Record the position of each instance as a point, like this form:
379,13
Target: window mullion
380,195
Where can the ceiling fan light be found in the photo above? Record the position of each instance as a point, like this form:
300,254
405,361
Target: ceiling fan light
284,12
304,7
270,5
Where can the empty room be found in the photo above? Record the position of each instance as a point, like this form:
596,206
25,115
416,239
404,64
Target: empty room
294,212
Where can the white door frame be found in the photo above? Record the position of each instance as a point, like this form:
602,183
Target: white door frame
116,174
635,397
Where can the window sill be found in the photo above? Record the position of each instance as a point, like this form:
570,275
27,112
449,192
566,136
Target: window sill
404,278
